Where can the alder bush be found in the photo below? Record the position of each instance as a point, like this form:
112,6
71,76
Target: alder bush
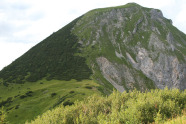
120,108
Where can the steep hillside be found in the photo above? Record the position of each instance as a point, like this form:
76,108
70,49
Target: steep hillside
53,58
46,76
128,46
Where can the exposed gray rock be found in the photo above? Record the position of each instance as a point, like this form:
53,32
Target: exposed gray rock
170,40
167,71
131,60
136,25
155,43
155,29
110,72
145,23
156,14
120,74
119,55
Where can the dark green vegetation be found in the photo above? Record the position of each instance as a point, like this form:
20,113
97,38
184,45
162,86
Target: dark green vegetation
53,58
26,101
120,108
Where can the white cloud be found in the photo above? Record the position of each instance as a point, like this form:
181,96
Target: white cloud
9,51
155,3
180,18
24,22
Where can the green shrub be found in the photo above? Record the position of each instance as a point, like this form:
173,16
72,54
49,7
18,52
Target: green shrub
120,108
3,116
53,94
71,92
23,96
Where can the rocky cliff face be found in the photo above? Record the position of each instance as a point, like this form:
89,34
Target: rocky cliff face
133,46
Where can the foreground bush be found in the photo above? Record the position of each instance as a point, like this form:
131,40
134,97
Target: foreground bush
177,120
118,108
3,116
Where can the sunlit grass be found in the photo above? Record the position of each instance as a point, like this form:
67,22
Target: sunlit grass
44,95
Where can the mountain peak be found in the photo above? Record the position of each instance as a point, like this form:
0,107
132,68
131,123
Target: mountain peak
125,37
136,36
132,4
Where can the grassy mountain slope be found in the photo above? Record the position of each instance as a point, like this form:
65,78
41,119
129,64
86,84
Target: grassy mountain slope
102,44
26,101
47,75
41,79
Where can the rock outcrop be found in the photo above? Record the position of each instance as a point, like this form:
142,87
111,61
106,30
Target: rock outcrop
133,44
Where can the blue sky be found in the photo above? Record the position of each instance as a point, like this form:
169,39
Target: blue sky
24,23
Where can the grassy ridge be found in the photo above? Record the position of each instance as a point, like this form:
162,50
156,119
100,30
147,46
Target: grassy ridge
128,108
26,101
